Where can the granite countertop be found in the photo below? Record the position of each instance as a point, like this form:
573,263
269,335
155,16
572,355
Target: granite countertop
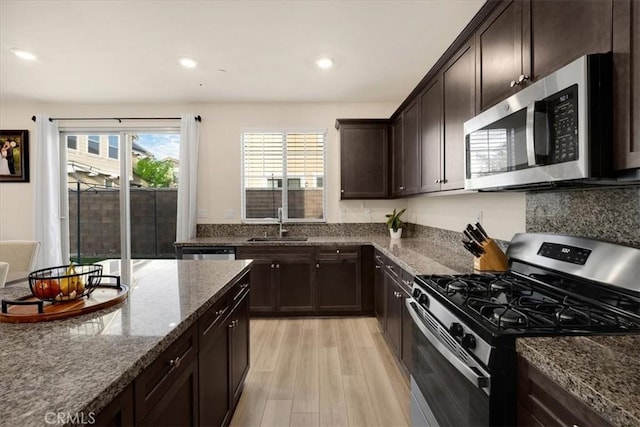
416,256
78,365
603,371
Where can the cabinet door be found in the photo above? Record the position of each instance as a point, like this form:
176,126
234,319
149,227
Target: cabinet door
364,161
459,106
179,405
118,413
565,30
262,286
500,56
407,333
338,285
397,184
213,368
294,285
393,313
239,343
410,150
378,289
626,80
431,136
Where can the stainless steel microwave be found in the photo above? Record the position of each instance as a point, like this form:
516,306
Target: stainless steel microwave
556,131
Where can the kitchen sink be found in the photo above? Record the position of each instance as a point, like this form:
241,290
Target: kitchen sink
278,239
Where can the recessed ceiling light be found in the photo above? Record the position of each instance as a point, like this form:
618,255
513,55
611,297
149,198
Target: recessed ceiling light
23,54
188,62
324,63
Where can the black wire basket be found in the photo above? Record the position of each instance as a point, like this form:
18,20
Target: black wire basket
65,282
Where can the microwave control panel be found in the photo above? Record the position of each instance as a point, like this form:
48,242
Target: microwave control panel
562,122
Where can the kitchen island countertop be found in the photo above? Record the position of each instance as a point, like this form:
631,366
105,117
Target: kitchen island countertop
76,366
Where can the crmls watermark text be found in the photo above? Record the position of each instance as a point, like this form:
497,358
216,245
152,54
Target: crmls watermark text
78,418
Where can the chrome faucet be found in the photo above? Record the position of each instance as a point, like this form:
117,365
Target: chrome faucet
282,231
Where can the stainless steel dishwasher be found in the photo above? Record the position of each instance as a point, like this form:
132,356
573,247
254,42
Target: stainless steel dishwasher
207,252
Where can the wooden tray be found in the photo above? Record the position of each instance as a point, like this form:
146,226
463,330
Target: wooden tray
102,297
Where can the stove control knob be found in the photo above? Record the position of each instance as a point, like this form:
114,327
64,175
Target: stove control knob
468,341
423,299
456,329
416,293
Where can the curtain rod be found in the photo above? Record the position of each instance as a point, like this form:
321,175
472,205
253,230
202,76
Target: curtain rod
198,118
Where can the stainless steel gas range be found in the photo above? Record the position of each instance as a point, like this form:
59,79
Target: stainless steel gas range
463,370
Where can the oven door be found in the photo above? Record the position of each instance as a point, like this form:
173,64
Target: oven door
448,386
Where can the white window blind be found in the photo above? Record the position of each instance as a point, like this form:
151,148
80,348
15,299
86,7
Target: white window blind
283,169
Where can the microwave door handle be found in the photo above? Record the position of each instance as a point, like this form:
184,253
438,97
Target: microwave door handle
537,134
530,135
471,374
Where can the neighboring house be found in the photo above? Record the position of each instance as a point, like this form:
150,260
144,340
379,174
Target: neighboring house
94,161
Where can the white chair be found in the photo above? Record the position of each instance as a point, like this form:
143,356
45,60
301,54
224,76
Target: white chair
21,256
4,270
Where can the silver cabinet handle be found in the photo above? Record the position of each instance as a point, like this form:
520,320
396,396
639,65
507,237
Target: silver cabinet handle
245,286
437,181
317,265
513,83
402,188
219,312
342,191
273,266
522,78
377,267
337,251
174,363
277,265
443,181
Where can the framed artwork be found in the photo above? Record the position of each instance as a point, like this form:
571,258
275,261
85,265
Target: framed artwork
14,156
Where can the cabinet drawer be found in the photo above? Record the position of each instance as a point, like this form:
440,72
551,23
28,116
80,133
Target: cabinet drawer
393,270
274,252
337,252
157,378
213,317
238,291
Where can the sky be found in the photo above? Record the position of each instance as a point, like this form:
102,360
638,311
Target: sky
162,145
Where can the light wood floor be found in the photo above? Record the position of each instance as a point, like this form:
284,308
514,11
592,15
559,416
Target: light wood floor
322,372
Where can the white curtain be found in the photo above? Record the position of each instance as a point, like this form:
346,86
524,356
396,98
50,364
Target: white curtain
187,178
47,214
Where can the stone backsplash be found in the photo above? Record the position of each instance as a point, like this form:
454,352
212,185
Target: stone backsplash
610,214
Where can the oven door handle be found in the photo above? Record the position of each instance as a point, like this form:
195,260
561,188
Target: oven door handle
479,380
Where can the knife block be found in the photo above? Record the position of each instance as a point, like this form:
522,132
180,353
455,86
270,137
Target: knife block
493,258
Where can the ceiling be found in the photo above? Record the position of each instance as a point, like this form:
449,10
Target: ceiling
247,51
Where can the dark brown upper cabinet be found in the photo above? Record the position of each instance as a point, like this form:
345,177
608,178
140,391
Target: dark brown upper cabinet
406,152
562,31
431,136
364,158
503,59
458,79
626,81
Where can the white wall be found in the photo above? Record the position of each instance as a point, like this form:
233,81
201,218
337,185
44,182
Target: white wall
219,165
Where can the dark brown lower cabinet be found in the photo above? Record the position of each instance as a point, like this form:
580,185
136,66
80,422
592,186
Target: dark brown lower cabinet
262,287
294,287
239,347
118,413
394,299
224,357
543,402
198,379
170,383
179,405
337,284
378,288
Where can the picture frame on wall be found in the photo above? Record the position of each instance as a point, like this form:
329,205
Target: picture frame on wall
14,156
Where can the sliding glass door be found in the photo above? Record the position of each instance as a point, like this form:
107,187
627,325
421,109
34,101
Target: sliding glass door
121,193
